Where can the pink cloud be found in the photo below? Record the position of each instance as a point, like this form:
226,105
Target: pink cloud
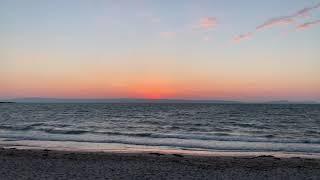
276,21
208,22
308,25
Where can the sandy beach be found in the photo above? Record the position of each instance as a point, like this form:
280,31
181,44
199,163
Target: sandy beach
48,164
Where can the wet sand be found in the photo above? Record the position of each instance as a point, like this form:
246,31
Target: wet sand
45,164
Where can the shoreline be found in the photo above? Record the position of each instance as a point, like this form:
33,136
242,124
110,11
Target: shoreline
54,164
89,147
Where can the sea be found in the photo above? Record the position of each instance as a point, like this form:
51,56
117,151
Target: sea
207,128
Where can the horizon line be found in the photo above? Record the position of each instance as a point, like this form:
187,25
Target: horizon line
124,99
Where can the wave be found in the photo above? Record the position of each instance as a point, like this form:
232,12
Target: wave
62,131
65,129
224,137
215,136
21,127
248,146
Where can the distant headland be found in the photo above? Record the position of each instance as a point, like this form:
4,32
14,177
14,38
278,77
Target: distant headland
141,100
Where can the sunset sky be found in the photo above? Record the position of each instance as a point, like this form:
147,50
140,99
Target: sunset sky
185,49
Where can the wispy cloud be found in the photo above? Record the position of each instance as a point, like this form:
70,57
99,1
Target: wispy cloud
276,21
284,20
243,37
305,11
204,24
208,22
308,25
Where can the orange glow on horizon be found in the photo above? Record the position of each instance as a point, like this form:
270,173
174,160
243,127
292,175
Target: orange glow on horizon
152,89
95,83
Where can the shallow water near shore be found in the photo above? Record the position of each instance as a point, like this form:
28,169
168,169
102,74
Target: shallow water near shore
196,128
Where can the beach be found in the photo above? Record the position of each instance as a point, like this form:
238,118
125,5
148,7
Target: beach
52,164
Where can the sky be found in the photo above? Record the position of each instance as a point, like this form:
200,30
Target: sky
245,50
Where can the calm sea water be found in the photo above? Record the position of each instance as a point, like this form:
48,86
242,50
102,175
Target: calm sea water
206,127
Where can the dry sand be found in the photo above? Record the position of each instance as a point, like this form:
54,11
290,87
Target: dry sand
44,164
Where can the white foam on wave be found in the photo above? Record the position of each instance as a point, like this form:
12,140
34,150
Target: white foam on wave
206,145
